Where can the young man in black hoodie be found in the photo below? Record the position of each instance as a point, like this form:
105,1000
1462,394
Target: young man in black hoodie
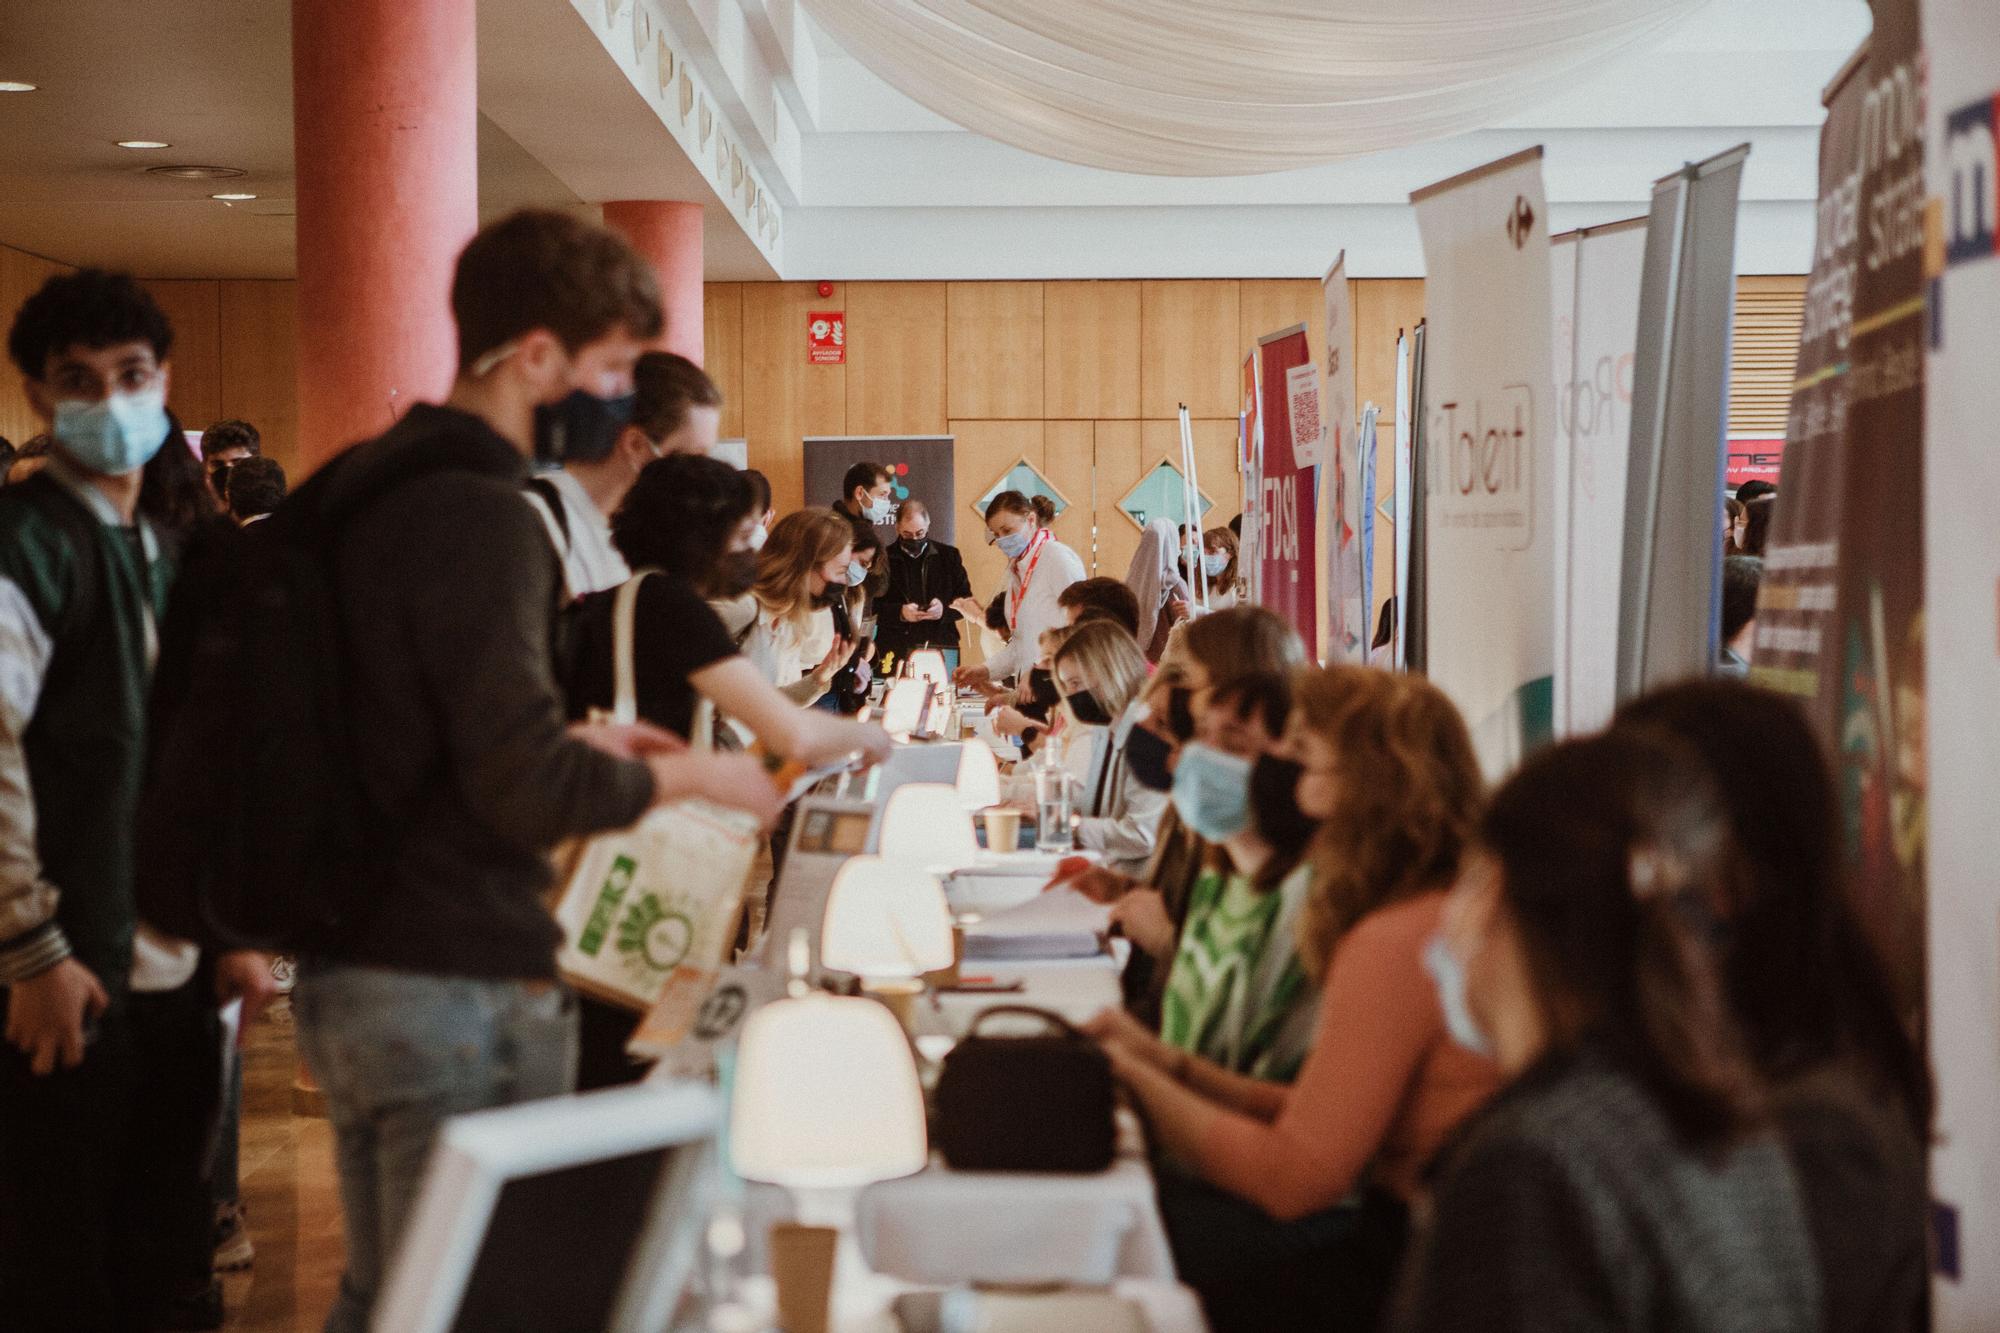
444,999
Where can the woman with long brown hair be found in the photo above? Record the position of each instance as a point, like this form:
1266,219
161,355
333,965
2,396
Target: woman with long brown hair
1627,1178
1226,584
1388,771
792,640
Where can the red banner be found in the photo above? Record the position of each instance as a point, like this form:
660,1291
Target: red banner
1288,560
1754,460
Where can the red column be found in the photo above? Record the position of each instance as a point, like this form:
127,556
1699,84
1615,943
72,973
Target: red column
669,236
385,124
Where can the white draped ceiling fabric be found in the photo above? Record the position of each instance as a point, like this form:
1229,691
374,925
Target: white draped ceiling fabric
1232,87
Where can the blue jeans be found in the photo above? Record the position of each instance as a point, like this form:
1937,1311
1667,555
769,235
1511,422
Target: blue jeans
399,1053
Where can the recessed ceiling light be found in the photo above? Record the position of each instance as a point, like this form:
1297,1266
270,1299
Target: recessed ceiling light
232,198
142,143
197,173
9,86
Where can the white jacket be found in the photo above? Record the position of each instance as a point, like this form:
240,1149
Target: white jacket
1057,568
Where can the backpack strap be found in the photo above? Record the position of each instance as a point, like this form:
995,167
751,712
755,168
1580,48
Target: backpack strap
558,515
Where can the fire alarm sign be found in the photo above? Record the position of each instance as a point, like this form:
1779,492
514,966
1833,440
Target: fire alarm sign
826,338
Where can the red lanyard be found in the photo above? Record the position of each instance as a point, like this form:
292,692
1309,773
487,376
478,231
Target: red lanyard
1033,555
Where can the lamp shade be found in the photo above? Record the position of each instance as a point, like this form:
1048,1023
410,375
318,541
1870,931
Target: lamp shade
978,775
926,823
928,664
885,918
826,1096
903,706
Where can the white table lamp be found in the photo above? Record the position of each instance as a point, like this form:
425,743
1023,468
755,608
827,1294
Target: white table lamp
978,775
903,707
928,664
926,823
885,919
825,1101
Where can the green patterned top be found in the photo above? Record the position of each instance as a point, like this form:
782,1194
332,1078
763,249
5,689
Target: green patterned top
1237,994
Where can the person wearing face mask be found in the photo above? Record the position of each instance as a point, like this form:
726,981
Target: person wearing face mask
919,607
1288,1206
864,496
1038,569
1098,673
1628,1177
1237,996
110,1063
689,518
1226,585
851,608
674,409
792,642
442,997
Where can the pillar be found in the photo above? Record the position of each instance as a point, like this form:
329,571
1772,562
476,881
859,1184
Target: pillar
385,125
668,234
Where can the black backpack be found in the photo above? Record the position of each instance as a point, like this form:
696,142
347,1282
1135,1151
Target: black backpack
254,830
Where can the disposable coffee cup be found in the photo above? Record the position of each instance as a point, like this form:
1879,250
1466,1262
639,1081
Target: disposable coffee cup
802,1263
1003,828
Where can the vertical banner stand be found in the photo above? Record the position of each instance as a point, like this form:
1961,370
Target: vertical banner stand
1191,513
1413,613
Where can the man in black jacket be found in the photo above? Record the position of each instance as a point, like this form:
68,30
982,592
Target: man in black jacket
925,578
444,998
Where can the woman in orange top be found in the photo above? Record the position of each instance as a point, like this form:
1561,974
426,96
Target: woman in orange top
1288,1206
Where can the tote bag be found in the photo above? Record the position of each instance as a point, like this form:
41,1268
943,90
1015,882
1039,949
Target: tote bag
648,912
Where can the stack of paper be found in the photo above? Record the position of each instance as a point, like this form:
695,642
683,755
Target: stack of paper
1061,923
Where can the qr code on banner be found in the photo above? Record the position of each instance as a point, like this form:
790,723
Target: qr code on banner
1302,388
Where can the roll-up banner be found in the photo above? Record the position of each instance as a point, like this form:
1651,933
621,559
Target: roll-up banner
1595,288
1670,602
1250,462
1962,659
1365,539
1489,548
1346,603
1287,557
1412,614
1401,502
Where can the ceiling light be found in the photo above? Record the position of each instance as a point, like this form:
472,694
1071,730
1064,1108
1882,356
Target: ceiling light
143,143
232,198
8,86
191,173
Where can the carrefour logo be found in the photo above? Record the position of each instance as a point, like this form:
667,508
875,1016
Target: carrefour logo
1973,206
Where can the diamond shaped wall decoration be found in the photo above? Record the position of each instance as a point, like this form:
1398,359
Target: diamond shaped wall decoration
1159,495
1024,478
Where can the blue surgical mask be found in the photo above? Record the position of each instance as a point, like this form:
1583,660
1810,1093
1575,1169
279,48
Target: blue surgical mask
1212,791
880,512
1013,544
117,435
1448,975
856,572
1214,562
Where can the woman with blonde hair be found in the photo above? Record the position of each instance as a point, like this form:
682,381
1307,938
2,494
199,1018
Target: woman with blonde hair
792,640
1292,1211
1099,671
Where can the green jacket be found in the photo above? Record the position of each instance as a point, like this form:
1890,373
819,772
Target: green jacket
80,594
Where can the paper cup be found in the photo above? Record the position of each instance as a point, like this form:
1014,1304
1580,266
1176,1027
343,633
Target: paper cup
1003,828
802,1263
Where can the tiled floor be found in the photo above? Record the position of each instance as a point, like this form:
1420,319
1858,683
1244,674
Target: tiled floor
289,1189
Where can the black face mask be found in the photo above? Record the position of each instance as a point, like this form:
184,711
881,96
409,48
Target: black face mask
732,574
1274,805
1042,687
581,428
1180,714
1083,706
916,545
1147,754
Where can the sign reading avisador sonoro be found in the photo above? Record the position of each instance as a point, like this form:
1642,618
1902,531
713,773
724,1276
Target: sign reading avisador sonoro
1487,431
1962,657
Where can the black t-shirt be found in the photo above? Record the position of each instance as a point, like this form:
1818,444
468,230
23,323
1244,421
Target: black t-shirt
674,634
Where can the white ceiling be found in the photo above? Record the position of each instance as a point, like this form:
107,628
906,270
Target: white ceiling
872,185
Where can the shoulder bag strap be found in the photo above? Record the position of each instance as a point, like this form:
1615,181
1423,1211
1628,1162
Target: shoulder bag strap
624,669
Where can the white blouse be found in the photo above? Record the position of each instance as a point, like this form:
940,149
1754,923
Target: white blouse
1057,568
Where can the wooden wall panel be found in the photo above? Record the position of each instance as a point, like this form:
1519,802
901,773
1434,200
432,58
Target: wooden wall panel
722,350
986,449
1214,457
1091,339
1381,307
194,308
1119,449
1070,450
1271,304
21,275
994,346
784,399
1188,348
895,358
259,381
